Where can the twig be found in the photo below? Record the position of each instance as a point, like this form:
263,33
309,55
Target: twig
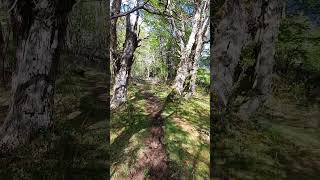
14,4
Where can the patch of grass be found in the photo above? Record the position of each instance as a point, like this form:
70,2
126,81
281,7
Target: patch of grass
75,148
275,144
187,125
128,130
188,151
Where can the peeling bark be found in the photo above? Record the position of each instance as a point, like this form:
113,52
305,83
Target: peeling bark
40,27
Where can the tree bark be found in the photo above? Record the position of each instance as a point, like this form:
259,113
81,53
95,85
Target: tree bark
243,23
114,54
2,55
204,31
187,54
122,76
266,35
40,27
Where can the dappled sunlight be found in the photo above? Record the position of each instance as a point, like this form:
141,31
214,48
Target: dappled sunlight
186,145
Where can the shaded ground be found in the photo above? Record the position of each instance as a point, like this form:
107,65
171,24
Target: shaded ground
77,146
281,142
183,152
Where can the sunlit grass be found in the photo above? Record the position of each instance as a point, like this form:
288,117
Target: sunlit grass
188,150
187,144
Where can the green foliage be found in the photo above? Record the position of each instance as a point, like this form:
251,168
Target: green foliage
248,55
274,144
297,54
159,54
203,78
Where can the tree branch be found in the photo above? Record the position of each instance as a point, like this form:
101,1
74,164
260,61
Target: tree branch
131,11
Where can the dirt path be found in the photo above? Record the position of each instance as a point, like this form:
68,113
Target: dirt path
154,158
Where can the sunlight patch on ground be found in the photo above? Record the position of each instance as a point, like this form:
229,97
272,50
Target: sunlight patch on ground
188,151
187,145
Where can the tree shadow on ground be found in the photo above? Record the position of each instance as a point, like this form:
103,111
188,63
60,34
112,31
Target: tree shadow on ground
128,125
186,157
76,148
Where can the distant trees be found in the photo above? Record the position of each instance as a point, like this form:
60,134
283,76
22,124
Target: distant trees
40,29
189,26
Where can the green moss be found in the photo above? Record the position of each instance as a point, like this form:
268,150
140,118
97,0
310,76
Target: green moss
188,153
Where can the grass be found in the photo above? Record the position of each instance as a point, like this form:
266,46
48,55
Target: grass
185,121
280,142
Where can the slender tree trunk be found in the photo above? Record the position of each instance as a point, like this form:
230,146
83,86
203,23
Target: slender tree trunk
122,76
114,55
181,75
204,31
187,56
40,28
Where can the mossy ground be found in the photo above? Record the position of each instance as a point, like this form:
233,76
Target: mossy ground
281,142
76,148
186,132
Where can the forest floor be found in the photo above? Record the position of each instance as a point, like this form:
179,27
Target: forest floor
77,148
281,142
150,138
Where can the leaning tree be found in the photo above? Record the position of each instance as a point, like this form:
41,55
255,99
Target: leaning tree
122,60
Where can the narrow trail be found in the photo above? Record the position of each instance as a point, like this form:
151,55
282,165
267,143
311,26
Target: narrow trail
154,158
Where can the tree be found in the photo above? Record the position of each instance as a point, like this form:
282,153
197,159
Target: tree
40,28
122,75
190,46
246,31
2,52
197,55
114,54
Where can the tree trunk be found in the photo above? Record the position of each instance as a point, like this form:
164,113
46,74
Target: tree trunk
181,75
2,55
243,23
40,28
266,36
187,55
230,36
204,31
170,68
114,55
122,77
